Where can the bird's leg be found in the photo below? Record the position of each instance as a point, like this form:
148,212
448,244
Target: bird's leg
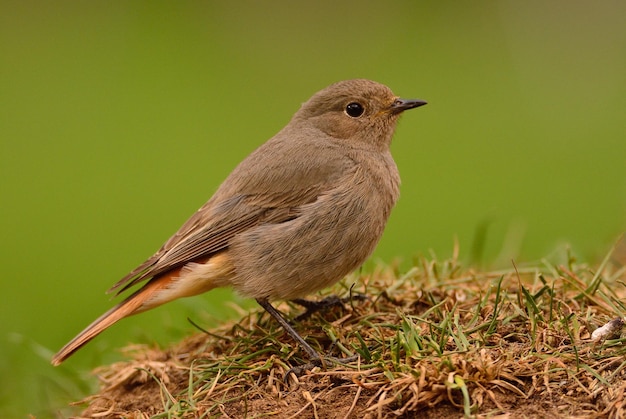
330,301
312,353
315,360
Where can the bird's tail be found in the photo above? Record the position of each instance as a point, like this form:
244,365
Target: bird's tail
133,304
191,279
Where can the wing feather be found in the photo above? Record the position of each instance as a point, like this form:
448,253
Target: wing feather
255,193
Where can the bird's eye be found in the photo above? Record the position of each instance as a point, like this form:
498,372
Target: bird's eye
354,109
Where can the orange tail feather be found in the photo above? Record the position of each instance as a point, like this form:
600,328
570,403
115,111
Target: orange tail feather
191,279
136,303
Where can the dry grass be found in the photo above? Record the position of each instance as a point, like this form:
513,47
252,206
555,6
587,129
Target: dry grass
437,341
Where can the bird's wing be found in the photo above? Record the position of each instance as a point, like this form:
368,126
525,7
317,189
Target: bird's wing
253,194
199,237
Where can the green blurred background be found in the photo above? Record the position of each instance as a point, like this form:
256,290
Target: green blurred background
119,119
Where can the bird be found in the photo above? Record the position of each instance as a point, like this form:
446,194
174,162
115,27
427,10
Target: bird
303,210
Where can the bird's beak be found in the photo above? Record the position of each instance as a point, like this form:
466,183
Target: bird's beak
400,105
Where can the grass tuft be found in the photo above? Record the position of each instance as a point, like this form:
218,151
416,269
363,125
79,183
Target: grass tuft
439,339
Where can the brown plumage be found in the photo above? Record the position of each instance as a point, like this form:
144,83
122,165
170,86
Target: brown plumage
298,214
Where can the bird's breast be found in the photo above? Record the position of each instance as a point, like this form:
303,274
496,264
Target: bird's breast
329,238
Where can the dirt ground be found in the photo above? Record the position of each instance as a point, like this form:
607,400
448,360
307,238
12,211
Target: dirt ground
437,342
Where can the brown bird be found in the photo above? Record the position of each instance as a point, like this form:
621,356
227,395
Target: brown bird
298,214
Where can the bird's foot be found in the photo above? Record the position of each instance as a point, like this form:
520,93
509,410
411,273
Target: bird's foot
324,304
320,362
